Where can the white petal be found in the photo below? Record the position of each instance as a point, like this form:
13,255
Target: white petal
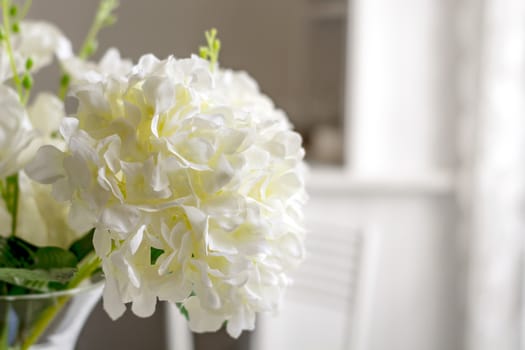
159,92
102,242
46,113
242,320
144,305
47,166
201,320
120,218
68,127
113,304
15,132
81,218
136,240
39,41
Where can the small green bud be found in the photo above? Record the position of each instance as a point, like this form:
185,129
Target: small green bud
2,35
16,28
29,64
64,81
91,48
13,10
203,52
211,52
27,82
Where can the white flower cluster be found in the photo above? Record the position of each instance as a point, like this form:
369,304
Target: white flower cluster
41,219
15,132
111,63
37,40
194,182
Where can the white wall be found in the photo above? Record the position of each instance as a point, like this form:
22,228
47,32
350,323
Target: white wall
402,137
415,303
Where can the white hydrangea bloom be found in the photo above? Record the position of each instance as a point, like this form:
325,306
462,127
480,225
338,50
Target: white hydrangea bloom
37,40
16,132
196,165
46,112
41,219
111,63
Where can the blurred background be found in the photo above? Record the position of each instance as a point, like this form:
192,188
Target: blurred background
413,117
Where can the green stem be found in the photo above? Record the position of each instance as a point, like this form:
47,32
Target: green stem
9,47
43,322
15,207
25,9
10,191
19,88
64,86
25,99
90,265
87,47
103,18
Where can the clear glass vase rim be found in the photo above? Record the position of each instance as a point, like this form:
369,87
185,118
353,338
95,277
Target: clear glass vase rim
73,291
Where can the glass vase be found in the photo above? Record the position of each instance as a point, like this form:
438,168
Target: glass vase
50,321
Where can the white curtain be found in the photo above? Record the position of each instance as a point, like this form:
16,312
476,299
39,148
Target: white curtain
492,83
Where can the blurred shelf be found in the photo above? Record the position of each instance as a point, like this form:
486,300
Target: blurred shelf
324,180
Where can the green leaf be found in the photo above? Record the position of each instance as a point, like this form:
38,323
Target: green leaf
155,254
83,246
54,257
15,252
183,311
6,259
36,280
17,290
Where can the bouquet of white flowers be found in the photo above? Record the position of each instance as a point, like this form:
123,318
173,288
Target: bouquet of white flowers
179,179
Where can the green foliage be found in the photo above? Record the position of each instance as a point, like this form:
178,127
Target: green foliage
155,254
103,18
83,246
27,81
9,191
35,280
211,52
54,257
183,311
15,252
26,268
105,14
29,64
65,79
13,10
